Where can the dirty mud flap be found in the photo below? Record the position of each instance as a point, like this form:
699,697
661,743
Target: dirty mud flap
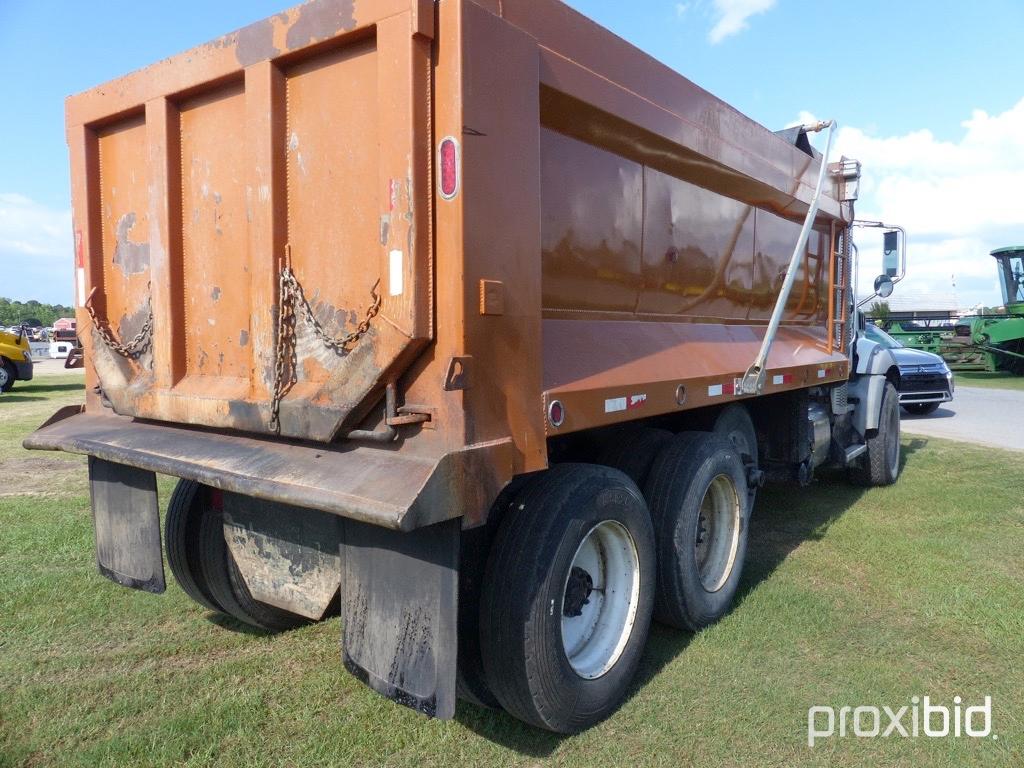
399,608
127,524
288,556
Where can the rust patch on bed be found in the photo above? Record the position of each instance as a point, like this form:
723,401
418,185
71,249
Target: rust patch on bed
319,20
131,257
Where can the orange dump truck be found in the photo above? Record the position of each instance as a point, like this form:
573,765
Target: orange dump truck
469,312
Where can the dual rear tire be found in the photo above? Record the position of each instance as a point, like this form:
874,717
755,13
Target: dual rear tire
581,559
699,501
203,566
567,597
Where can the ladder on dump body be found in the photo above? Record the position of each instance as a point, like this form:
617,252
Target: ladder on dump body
810,300
839,280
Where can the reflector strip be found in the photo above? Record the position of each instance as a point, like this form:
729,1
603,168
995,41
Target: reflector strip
714,390
80,284
782,378
396,273
80,268
614,404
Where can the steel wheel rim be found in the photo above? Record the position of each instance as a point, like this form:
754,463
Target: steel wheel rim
718,533
4,376
594,638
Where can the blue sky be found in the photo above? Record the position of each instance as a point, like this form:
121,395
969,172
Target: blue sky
930,96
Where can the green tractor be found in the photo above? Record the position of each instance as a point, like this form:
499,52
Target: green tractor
989,342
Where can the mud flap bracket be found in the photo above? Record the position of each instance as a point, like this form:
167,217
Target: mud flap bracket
399,607
127,525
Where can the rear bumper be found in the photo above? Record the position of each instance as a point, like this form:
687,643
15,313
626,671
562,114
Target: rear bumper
378,485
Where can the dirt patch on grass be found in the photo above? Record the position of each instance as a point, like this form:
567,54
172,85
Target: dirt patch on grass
41,475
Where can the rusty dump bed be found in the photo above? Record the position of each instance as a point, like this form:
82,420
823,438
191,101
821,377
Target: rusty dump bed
488,206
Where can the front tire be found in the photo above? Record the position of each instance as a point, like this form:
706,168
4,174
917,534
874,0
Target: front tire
697,491
567,597
7,383
880,464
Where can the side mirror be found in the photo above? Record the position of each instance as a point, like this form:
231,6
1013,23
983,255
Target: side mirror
891,254
883,286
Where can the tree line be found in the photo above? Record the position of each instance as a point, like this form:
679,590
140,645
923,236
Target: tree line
18,312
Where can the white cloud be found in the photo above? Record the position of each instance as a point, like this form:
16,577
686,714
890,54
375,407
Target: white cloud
958,199
731,16
36,250
803,118
681,9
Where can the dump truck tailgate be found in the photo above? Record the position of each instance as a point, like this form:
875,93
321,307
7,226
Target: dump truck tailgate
238,206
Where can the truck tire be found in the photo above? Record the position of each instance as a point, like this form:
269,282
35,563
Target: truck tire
228,586
697,492
734,423
880,464
181,537
921,409
471,680
559,652
633,452
8,382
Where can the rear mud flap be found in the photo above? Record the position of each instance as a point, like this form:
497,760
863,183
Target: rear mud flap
127,524
399,611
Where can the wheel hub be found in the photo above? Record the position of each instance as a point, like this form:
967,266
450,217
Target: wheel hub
600,599
577,592
716,537
702,529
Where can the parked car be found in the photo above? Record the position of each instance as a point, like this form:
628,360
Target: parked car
925,380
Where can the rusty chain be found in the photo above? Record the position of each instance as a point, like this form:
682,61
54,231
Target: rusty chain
291,297
134,347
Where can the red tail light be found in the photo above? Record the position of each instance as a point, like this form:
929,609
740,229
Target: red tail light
448,164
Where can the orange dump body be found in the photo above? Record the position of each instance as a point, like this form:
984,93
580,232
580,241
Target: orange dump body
489,206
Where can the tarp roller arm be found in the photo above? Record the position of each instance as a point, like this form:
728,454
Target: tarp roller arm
752,382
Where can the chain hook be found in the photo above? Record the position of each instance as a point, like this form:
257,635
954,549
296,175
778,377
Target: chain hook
291,299
133,348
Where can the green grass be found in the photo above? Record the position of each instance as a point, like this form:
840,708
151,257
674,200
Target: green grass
849,597
999,380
